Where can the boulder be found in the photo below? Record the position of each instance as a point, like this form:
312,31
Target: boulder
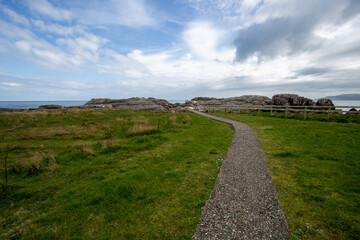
324,102
291,100
352,111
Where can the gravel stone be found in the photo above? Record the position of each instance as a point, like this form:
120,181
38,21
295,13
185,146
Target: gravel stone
244,203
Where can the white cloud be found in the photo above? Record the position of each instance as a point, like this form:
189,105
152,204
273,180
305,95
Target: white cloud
57,28
23,46
17,18
118,64
134,13
11,84
13,32
26,45
45,8
204,41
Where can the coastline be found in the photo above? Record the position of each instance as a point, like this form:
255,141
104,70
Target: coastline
65,103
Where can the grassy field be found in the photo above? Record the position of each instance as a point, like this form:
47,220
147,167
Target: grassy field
316,169
340,118
107,175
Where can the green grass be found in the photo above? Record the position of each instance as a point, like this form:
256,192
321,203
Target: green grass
340,118
107,175
316,170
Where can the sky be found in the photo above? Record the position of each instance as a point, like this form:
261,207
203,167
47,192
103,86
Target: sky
177,49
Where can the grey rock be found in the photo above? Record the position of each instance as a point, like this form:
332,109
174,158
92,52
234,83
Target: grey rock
134,103
324,102
51,106
353,111
232,101
291,100
253,99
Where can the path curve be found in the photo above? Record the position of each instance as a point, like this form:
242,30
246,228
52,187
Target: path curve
244,203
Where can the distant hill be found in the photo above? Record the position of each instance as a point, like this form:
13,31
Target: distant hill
346,97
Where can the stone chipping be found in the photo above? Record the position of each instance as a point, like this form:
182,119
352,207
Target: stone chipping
244,203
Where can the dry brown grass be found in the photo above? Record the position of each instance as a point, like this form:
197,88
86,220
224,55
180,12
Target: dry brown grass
28,113
35,161
97,113
140,119
75,110
109,143
173,119
67,132
23,118
141,129
187,120
121,121
87,148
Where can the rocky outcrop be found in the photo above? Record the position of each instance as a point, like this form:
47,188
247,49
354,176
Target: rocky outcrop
11,110
291,100
232,101
202,103
134,103
252,99
50,107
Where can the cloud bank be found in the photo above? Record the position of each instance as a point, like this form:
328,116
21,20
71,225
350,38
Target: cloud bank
79,50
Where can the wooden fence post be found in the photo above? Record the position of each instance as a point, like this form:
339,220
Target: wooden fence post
5,163
259,114
329,113
271,113
305,113
286,112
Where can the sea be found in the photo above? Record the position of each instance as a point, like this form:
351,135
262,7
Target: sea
36,104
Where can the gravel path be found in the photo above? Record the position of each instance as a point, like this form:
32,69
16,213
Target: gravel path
244,203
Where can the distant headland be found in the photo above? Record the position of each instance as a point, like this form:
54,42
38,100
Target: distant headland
345,97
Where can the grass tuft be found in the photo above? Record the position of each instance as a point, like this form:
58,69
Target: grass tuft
141,129
173,119
35,162
87,148
187,120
